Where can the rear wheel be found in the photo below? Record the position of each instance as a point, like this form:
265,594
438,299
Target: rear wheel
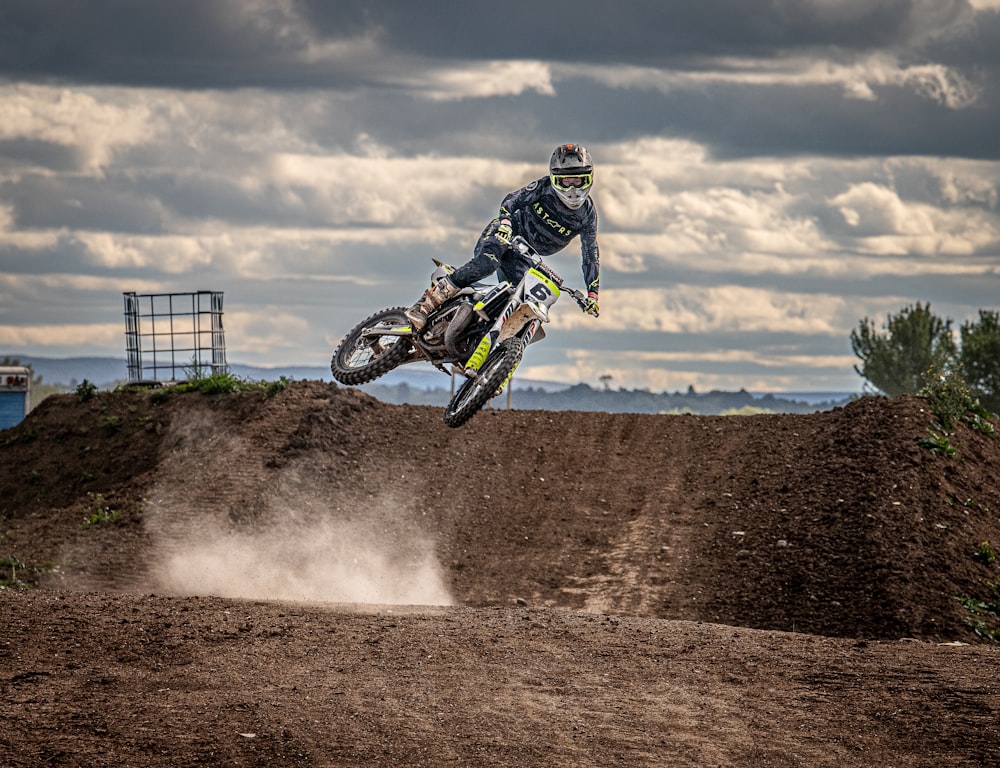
365,353
475,393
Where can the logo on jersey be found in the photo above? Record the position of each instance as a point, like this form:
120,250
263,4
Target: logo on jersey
549,221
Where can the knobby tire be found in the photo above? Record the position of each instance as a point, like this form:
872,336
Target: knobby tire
475,393
358,360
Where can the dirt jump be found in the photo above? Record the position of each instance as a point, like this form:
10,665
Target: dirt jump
310,577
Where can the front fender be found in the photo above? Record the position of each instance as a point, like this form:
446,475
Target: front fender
521,316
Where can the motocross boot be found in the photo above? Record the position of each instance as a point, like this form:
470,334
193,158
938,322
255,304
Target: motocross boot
433,298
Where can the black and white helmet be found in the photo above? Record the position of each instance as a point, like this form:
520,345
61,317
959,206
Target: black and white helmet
571,172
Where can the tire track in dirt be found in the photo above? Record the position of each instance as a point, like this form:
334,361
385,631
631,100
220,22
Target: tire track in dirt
646,571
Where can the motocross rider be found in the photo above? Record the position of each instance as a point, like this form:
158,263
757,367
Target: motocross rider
548,213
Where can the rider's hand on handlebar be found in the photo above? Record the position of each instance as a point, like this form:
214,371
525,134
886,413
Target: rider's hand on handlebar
504,231
590,305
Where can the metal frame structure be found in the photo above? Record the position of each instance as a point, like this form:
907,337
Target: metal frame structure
167,333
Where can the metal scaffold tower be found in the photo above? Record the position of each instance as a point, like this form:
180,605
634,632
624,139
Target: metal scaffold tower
172,337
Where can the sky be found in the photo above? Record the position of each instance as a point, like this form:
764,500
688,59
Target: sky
768,172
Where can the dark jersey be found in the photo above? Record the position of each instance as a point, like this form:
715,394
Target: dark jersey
541,218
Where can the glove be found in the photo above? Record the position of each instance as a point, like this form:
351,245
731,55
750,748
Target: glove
590,307
504,232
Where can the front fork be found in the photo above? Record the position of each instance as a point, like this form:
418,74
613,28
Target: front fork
495,336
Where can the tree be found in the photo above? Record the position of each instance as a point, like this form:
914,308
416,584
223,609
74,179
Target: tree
913,342
980,358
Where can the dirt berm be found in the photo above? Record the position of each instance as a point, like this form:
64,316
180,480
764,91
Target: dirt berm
316,578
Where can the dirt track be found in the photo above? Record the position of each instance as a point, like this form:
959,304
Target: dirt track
596,589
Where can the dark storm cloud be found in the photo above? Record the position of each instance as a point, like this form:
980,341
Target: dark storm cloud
194,44
782,120
971,45
228,43
43,202
66,254
176,43
16,153
648,31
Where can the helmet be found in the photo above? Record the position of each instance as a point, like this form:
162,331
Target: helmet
571,172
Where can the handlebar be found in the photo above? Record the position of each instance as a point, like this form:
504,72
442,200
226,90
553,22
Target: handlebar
523,247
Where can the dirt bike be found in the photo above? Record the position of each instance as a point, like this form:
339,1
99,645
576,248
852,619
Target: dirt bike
482,333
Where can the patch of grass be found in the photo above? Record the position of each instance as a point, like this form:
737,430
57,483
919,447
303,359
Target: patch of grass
160,395
215,384
968,504
272,388
221,384
112,425
20,436
15,574
938,442
746,410
985,553
12,565
99,511
985,613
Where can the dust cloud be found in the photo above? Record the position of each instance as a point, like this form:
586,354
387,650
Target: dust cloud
361,560
220,527
336,562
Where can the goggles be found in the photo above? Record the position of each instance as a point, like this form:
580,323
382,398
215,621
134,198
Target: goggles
573,180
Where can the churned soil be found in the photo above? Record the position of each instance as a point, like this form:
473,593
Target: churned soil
317,578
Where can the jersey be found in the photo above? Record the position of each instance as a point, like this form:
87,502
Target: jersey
540,217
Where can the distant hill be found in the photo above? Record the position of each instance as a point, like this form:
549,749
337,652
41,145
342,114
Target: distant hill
70,371
416,386
109,371
582,397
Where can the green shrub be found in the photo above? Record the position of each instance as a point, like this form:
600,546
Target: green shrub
951,401
85,391
221,384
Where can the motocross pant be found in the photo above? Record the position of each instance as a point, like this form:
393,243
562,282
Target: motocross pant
491,255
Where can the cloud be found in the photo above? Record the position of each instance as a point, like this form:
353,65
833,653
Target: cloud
698,310
65,339
760,371
383,190
858,79
94,127
169,255
480,81
272,44
888,225
267,330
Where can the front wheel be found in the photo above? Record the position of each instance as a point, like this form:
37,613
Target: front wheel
475,393
365,353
